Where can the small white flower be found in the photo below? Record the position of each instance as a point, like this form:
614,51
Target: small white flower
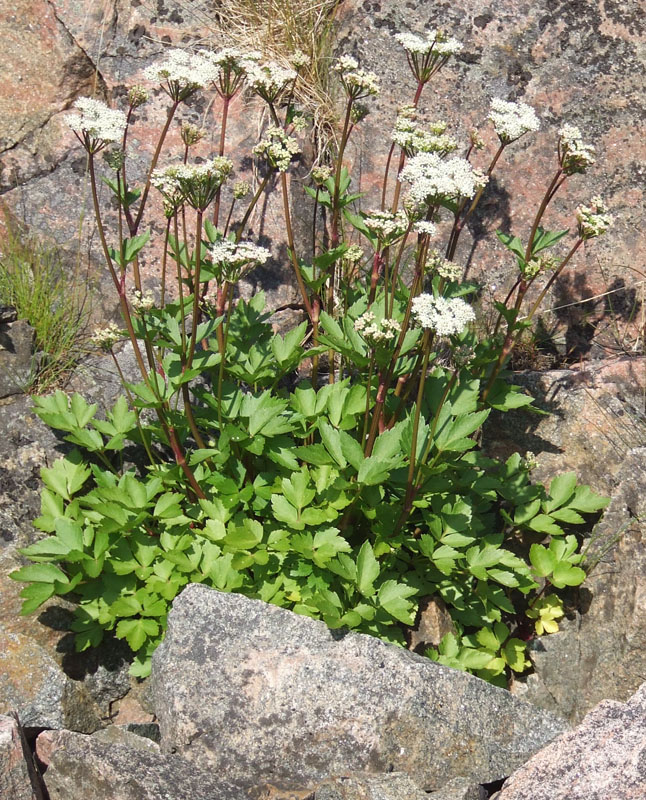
424,226
182,73
357,82
414,139
299,59
106,337
241,189
269,80
512,120
426,55
443,267
141,302
277,148
377,332
96,124
433,179
353,254
444,316
387,226
574,155
235,258
321,174
594,219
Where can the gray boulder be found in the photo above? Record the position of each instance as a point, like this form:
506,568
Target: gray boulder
245,688
16,357
84,768
603,759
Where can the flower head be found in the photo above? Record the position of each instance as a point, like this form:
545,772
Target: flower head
434,179
232,259
196,184
387,227
512,120
446,269
428,54
233,66
137,96
377,332
105,338
141,302
321,174
96,124
182,73
269,80
165,181
356,82
241,189
277,148
445,316
594,219
191,134
574,155
415,139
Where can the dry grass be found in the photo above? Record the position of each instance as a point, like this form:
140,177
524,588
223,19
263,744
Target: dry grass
279,28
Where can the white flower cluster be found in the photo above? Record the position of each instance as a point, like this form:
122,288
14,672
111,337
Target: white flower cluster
377,332
387,226
446,269
165,181
106,337
196,184
414,139
574,155
512,120
234,258
232,65
241,189
321,174
268,80
435,40
353,254
96,123
299,59
424,226
137,96
141,302
444,316
594,220
433,178
357,82
277,148
191,134
182,73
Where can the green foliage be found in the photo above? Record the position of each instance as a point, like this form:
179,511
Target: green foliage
297,515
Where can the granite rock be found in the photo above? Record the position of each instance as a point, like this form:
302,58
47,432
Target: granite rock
603,758
15,781
245,688
84,768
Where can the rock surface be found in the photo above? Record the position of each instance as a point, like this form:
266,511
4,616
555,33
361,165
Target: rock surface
596,415
16,357
600,652
392,786
84,768
242,688
15,782
605,757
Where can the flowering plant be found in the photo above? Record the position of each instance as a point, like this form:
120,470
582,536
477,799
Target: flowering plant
333,470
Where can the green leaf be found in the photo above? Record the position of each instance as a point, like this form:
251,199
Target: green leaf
393,598
586,501
561,490
542,559
40,573
137,631
284,511
567,575
367,570
35,595
514,654
332,441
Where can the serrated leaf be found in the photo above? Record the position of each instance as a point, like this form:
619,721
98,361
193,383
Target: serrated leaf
561,490
393,598
40,573
367,570
542,559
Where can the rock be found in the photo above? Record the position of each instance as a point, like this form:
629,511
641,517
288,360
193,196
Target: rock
15,781
601,759
245,688
596,415
459,789
33,685
600,653
7,314
392,786
117,734
432,624
84,768
16,357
